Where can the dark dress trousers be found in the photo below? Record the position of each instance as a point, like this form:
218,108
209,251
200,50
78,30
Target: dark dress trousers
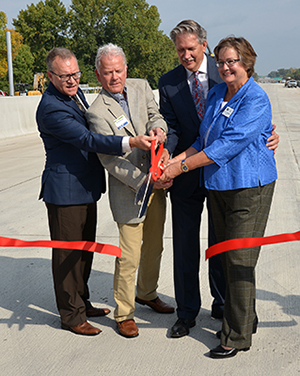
72,182
187,196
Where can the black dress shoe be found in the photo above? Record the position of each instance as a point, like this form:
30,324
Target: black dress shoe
181,328
221,353
217,312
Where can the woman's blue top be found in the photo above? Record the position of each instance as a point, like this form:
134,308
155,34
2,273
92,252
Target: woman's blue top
235,138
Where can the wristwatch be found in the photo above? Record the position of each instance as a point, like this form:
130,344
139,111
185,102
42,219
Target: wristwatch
184,166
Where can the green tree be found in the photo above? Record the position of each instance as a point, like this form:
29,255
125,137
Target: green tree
3,23
86,30
88,74
87,23
297,75
3,51
23,65
16,42
255,76
133,25
283,72
43,27
273,74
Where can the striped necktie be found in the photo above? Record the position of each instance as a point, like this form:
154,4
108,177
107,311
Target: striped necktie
198,95
79,102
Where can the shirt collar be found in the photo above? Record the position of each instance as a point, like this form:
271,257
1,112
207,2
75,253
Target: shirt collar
118,96
202,68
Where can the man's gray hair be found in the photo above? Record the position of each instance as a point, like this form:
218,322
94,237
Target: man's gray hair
109,50
62,52
190,27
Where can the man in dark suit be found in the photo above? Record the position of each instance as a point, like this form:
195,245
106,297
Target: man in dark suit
187,195
72,183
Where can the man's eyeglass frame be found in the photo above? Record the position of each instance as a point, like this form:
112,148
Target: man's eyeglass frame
67,77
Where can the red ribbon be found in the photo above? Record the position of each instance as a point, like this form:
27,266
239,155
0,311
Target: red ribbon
82,245
229,245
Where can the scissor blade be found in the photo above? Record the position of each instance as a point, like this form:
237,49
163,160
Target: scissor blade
145,201
141,192
145,193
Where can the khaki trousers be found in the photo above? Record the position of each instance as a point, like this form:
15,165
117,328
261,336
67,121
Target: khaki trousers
142,246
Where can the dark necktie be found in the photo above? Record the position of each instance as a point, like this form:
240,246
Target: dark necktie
78,102
198,95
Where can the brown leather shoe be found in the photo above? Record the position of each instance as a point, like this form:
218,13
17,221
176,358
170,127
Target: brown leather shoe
128,328
85,329
156,304
95,312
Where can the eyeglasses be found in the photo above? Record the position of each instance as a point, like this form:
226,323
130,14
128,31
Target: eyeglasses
67,77
229,63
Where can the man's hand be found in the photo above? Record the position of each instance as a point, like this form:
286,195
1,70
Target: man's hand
141,141
159,134
162,185
273,140
165,157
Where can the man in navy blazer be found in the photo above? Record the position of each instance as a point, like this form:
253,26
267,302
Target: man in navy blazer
187,196
72,182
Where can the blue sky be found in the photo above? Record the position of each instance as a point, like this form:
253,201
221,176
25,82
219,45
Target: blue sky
271,26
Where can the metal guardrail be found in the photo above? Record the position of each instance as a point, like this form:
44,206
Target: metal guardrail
88,89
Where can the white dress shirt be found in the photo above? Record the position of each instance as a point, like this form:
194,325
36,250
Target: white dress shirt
203,76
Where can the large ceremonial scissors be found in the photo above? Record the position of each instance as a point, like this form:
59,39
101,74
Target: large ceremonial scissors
143,194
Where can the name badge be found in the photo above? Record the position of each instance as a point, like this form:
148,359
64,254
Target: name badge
227,112
121,122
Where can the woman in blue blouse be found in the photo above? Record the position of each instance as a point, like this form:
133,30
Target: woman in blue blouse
240,175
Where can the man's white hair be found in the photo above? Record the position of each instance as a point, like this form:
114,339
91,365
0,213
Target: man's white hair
109,50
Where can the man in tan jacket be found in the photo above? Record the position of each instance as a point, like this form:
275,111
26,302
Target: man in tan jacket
126,107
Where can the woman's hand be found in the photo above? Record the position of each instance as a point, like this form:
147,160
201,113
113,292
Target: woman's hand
172,170
273,140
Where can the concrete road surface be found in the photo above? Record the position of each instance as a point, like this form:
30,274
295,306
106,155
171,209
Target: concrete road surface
31,341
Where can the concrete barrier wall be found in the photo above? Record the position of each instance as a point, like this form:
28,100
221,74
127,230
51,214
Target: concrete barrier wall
18,114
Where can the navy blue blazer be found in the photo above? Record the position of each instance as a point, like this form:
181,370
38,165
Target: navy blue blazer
179,111
73,174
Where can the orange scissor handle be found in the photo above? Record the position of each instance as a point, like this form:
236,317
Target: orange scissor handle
156,166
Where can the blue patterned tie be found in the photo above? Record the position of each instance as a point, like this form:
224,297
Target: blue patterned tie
198,95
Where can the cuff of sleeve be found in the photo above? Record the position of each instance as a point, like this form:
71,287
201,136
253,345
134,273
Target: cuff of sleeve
125,145
196,146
